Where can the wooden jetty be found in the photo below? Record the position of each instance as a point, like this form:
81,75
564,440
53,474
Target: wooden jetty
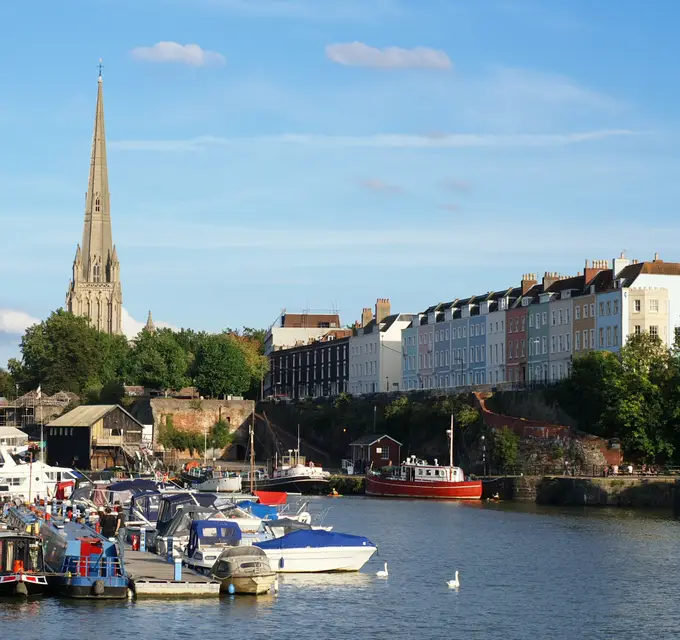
152,575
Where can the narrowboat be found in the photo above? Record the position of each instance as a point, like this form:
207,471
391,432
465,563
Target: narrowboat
21,564
82,563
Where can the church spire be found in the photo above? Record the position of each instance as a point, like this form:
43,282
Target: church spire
97,245
95,290
150,326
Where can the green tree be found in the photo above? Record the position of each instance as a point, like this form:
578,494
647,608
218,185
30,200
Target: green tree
158,361
505,448
7,384
61,353
220,436
220,367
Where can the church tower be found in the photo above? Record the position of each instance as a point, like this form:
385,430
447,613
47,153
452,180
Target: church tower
95,290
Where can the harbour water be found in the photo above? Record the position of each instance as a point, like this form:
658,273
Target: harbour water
525,572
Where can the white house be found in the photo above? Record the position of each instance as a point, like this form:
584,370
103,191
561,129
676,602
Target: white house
375,350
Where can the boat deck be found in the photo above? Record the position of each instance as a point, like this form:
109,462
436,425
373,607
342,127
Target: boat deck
151,575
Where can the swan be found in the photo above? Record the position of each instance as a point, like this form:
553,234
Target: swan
454,584
383,572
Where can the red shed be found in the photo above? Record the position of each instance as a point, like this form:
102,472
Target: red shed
381,450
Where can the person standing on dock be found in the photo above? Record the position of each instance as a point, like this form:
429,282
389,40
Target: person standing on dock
120,528
109,523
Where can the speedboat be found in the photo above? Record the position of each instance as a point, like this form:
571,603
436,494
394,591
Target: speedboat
21,564
314,551
245,570
207,540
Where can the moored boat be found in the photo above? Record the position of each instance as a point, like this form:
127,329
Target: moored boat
415,478
21,564
207,540
316,551
81,563
245,569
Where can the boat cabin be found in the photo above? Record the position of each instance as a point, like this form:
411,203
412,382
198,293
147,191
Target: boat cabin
414,470
19,553
208,537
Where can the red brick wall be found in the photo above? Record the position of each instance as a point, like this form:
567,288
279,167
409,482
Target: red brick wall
534,428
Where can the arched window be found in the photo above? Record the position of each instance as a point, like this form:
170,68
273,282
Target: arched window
96,203
96,272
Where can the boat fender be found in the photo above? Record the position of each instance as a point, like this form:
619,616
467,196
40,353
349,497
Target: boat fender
305,518
99,587
21,589
231,589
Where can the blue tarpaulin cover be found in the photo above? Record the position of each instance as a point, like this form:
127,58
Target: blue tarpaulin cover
315,538
212,532
260,510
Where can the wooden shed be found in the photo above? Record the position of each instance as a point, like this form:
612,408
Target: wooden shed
379,450
92,437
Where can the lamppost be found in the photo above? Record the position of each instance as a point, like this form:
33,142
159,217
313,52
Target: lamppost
484,454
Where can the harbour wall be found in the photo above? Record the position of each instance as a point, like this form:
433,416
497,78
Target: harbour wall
620,491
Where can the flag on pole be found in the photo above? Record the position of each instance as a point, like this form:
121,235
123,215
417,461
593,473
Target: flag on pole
38,393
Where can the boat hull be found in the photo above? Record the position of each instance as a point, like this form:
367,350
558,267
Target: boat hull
319,559
300,484
22,584
84,587
252,585
436,490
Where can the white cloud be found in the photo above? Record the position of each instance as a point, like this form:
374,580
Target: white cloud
174,52
395,140
358,54
15,322
375,184
132,327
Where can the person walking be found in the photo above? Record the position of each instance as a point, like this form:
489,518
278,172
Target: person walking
108,523
120,528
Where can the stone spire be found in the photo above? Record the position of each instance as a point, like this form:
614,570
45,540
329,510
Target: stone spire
150,326
95,290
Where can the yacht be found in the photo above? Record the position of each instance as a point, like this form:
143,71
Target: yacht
30,480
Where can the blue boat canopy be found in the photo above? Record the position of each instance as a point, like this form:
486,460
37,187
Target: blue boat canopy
314,538
260,510
212,532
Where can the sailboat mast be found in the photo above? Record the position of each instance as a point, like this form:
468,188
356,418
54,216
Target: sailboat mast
252,454
451,444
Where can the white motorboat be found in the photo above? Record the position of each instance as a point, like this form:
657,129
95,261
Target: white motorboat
315,551
207,540
220,484
30,480
244,570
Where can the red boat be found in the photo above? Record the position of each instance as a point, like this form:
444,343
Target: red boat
418,479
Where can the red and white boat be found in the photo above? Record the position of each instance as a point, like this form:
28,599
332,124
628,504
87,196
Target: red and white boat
417,479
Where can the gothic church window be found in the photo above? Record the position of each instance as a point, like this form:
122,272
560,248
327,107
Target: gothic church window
96,271
96,203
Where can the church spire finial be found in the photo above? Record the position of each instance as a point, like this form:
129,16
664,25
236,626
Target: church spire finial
100,67
150,326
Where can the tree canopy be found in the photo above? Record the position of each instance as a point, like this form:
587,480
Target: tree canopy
65,353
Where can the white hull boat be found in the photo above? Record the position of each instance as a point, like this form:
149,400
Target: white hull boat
231,484
317,551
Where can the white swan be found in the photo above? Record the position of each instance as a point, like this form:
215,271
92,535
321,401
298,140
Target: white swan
454,584
383,572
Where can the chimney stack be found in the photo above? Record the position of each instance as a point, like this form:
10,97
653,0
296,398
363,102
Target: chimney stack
591,271
656,258
528,281
366,316
382,309
549,279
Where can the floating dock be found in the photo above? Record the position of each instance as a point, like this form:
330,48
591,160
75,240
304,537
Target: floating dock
152,575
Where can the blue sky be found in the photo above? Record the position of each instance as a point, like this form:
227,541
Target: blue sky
320,153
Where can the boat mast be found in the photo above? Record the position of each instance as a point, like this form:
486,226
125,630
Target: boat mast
297,453
252,454
451,444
